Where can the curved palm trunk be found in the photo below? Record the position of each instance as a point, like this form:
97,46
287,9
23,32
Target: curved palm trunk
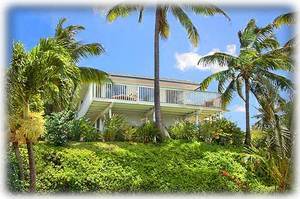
248,135
278,137
158,123
19,160
32,172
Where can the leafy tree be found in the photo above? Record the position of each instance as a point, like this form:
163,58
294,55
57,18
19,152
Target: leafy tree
162,30
39,72
66,37
259,58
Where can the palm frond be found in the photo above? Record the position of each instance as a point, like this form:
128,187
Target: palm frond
163,28
85,50
141,12
227,95
222,59
222,75
278,80
239,86
187,24
92,75
284,19
209,10
120,10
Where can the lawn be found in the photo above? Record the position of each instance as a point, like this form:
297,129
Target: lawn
175,166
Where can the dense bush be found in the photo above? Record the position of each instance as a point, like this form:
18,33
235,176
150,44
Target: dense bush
62,127
147,132
58,127
114,128
117,129
175,166
221,131
83,129
259,138
13,182
184,130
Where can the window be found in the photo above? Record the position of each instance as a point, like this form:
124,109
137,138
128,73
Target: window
146,94
174,96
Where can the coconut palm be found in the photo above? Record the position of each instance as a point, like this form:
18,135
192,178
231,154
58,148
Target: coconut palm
259,57
44,70
162,30
66,36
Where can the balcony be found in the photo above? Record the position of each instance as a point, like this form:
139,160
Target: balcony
139,94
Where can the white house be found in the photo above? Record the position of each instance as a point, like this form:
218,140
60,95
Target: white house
133,96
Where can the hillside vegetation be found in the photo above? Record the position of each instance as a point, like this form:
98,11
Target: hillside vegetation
175,166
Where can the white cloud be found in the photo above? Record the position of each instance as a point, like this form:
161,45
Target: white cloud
231,49
239,108
189,60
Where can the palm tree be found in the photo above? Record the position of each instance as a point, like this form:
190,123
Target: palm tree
65,36
161,29
259,57
37,73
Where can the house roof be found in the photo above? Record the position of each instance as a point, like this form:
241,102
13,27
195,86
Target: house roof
151,78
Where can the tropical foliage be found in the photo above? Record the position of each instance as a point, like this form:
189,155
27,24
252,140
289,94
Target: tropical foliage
46,76
259,59
170,167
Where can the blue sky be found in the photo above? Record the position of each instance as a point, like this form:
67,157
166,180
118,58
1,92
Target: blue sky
129,44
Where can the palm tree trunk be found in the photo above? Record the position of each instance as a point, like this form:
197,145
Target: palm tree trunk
158,123
32,172
248,135
278,137
19,160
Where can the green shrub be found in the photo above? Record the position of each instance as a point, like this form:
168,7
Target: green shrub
184,130
58,127
62,127
259,138
13,181
147,132
174,166
221,131
114,128
83,129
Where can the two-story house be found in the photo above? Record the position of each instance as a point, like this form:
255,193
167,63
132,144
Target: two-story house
133,96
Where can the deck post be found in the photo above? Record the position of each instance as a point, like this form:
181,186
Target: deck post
153,116
197,118
109,113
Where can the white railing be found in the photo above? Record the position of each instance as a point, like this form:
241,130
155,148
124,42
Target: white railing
146,94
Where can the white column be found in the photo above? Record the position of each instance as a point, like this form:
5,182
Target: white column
109,113
101,124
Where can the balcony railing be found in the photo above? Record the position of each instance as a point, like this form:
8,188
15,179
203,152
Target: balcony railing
140,93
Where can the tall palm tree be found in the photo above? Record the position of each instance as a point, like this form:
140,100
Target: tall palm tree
259,57
39,72
161,30
66,36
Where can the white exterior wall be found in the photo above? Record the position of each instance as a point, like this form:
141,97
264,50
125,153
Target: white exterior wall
136,119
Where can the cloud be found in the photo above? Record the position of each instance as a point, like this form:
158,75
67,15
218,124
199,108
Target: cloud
239,108
189,60
231,49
